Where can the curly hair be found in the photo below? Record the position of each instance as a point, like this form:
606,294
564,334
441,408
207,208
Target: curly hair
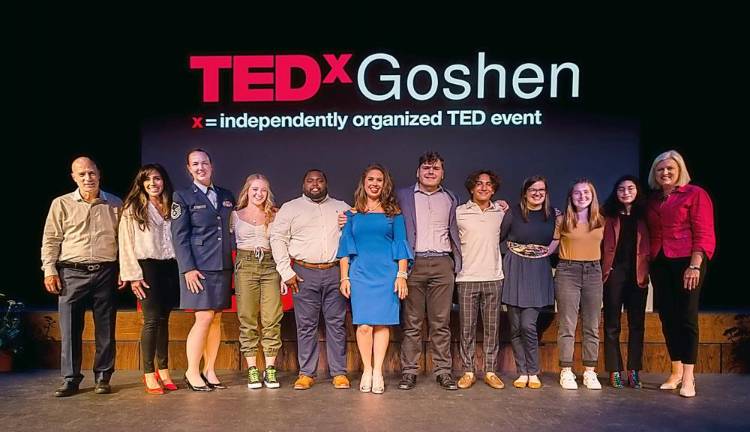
471,180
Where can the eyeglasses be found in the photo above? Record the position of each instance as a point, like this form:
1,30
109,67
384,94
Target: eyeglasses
532,190
627,189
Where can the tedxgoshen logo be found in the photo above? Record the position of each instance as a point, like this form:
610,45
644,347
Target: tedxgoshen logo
265,78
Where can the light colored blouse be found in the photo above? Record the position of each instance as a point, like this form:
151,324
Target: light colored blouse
137,244
249,236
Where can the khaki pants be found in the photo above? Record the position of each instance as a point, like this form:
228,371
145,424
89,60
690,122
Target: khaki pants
256,284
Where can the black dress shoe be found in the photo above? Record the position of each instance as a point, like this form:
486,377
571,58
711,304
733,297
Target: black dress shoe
408,381
102,387
68,388
204,388
217,385
447,382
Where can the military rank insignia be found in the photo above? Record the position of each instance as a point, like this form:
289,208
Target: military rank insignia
176,210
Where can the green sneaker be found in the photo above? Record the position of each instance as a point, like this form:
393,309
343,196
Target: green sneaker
269,377
253,378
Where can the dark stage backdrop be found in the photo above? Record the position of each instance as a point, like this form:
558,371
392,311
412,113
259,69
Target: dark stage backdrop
466,101
565,149
622,117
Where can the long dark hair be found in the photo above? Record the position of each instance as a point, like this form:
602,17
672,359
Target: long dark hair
387,197
526,186
613,207
137,198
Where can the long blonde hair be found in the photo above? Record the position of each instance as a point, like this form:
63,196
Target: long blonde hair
269,207
570,219
387,197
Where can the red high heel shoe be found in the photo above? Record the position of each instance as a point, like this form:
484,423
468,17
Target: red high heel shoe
167,386
153,391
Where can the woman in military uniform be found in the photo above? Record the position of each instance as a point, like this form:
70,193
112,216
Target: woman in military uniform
203,246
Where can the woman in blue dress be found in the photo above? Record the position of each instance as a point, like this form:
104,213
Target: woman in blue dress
374,256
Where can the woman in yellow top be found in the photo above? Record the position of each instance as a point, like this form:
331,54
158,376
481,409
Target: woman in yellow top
578,281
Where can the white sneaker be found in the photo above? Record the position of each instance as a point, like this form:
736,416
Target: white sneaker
591,381
568,380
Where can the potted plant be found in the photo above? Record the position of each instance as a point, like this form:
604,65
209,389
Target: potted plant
10,331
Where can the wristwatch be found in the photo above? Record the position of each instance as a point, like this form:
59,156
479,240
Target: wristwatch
694,267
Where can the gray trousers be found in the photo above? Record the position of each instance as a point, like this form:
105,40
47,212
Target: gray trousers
79,287
319,292
473,297
430,290
578,285
523,338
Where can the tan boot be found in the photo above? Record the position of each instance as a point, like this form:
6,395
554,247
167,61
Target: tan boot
304,382
341,382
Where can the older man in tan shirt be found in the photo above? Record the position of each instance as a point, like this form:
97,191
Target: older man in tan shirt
79,259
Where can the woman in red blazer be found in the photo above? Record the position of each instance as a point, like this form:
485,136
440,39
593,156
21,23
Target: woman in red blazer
681,225
625,256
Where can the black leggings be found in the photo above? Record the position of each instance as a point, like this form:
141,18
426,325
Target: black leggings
678,307
161,297
620,289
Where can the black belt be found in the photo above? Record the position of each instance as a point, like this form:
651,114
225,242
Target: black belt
91,267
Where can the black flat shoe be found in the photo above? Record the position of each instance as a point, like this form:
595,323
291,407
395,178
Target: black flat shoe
68,388
447,382
217,385
204,388
408,381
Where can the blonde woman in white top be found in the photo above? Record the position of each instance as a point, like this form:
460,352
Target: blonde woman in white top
147,261
257,283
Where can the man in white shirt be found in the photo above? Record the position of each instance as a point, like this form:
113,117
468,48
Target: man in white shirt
306,230
480,279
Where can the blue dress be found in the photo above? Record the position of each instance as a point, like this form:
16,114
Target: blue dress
374,244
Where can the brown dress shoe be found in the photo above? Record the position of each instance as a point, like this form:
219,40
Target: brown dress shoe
467,380
304,382
493,381
341,382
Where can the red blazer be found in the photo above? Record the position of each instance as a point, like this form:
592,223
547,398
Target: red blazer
682,224
609,247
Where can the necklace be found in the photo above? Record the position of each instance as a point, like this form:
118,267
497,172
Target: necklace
369,209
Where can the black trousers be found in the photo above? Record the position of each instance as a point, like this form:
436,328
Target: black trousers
678,307
162,296
79,288
622,289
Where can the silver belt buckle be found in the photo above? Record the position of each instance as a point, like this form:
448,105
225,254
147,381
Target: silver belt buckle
93,267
